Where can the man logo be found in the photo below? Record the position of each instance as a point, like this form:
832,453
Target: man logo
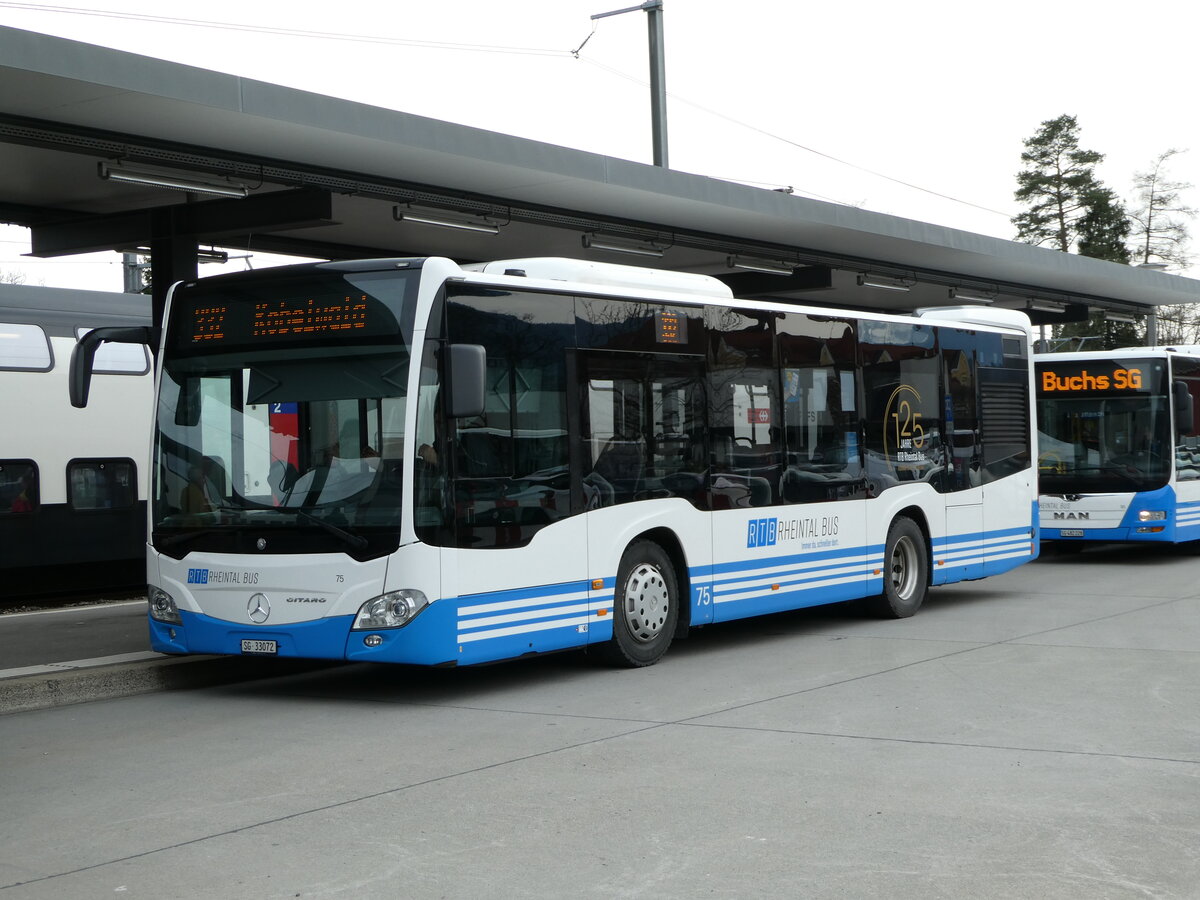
259,608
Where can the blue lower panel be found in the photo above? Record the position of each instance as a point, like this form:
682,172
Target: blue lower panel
1182,522
426,641
525,621
782,600
1167,535
458,631
322,639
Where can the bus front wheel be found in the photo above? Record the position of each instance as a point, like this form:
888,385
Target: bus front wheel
645,606
905,572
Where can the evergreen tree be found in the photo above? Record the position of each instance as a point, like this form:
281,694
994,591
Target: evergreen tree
1102,231
1057,182
1104,228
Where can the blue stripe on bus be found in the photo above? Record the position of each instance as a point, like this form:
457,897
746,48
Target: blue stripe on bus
791,559
510,623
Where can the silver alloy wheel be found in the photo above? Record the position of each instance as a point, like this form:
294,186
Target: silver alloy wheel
904,568
647,602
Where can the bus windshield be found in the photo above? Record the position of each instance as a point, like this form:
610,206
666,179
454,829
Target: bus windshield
281,415
1095,444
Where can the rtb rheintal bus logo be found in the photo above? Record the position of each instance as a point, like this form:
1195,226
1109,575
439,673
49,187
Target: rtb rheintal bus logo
763,533
808,532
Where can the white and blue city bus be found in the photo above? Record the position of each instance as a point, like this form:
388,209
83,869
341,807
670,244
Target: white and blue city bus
1118,449
412,461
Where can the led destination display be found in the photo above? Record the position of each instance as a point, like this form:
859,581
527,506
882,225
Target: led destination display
213,320
1117,377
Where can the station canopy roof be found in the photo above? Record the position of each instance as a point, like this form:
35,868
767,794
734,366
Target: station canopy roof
85,131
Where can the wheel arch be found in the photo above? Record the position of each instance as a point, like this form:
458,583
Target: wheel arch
673,547
917,515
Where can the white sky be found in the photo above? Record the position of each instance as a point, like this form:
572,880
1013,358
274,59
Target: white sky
825,97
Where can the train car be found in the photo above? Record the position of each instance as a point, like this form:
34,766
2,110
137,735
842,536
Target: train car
72,481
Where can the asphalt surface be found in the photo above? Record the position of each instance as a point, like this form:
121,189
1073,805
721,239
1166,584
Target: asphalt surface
1034,735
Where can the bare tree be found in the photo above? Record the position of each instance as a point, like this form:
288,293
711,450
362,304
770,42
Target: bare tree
1160,231
11,277
1159,236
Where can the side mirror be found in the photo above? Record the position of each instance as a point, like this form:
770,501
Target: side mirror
1185,416
466,368
83,357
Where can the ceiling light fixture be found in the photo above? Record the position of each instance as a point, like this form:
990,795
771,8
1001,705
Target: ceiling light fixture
618,245
1046,306
884,283
958,294
1120,317
171,182
480,225
770,266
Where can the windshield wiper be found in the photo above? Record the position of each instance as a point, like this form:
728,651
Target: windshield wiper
1119,470
182,537
357,541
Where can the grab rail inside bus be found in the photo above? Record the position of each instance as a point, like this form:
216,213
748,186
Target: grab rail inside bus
84,355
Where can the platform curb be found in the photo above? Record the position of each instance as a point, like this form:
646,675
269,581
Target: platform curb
72,686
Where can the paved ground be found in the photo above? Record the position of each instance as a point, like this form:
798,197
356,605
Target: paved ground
1034,735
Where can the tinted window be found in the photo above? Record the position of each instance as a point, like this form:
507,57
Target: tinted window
18,486
820,409
101,484
511,475
960,377
746,434
605,324
643,429
1187,441
901,369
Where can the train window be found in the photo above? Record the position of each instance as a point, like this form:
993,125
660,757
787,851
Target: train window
18,486
94,484
24,347
118,358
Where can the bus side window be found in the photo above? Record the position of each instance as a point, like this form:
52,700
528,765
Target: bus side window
960,380
747,450
510,469
901,385
820,409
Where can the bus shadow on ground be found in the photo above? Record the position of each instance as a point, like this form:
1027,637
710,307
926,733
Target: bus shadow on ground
419,685
1101,554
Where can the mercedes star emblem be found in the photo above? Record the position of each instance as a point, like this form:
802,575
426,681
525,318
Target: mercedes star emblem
259,608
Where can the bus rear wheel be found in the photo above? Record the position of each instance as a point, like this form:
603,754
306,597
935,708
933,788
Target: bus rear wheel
645,606
905,572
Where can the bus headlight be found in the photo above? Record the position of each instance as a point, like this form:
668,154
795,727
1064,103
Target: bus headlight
394,609
162,607
1152,515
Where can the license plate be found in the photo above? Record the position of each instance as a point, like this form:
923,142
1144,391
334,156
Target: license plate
1066,532
266,647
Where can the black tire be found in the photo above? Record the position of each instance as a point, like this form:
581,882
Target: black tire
905,572
645,607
